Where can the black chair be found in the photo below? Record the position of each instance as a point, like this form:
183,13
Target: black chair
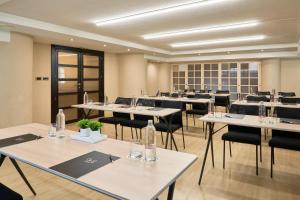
242,134
222,101
175,121
8,194
291,100
117,118
202,96
287,94
255,98
175,95
261,93
139,121
197,109
165,94
285,139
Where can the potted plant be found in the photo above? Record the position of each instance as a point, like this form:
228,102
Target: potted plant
84,127
95,126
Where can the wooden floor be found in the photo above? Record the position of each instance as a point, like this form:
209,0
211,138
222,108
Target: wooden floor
237,181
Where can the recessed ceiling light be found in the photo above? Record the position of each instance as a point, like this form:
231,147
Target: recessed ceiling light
200,30
104,45
128,49
199,54
218,41
177,7
262,50
228,52
72,39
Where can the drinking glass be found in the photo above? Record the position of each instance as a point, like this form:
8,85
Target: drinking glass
52,130
136,150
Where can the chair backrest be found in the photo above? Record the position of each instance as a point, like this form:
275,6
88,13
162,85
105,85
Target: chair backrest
284,112
289,100
177,117
125,101
287,94
222,92
244,110
263,93
166,94
190,96
202,96
200,106
257,98
145,102
174,95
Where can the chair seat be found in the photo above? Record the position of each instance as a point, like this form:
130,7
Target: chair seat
196,112
164,128
112,120
8,194
292,143
248,138
134,123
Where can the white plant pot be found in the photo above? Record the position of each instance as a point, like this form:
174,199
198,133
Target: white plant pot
96,132
85,132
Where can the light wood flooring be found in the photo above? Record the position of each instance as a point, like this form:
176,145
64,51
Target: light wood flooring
237,181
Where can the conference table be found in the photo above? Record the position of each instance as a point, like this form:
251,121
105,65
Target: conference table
181,99
267,104
165,114
240,120
103,167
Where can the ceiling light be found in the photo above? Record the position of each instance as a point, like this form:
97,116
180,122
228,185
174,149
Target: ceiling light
199,54
128,49
218,41
201,30
262,50
104,45
177,7
71,39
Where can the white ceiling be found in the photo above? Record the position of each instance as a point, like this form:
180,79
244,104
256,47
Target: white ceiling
279,21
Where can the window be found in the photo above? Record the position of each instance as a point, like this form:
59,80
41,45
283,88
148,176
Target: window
194,76
179,77
229,72
211,76
249,78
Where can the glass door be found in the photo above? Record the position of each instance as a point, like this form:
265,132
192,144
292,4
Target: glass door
75,71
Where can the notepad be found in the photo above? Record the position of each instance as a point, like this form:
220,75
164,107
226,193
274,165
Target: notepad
18,139
234,116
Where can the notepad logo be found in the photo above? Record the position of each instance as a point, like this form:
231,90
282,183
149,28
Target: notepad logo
19,139
90,161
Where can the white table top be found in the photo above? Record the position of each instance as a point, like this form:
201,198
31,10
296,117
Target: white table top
211,94
182,99
251,121
122,179
267,104
141,110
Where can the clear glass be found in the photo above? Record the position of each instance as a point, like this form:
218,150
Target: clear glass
52,130
136,150
150,144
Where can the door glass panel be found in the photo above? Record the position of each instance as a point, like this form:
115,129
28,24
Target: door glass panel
67,86
71,114
67,100
90,60
91,72
67,58
67,72
91,85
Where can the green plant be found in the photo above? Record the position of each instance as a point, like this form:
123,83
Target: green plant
94,125
83,124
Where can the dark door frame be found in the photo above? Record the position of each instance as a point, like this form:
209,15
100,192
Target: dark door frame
80,88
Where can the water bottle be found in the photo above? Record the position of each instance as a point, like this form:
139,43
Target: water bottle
150,144
262,111
85,98
105,100
133,102
60,123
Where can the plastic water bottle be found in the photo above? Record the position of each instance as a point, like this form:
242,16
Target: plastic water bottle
261,111
85,98
150,144
60,123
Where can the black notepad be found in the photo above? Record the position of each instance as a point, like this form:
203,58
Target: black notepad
84,164
234,116
18,139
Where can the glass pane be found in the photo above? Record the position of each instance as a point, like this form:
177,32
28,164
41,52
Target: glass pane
253,73
181,87
67,72
233,96
90,60
253,81
91,73
225,87
214,87
181,81
214,66
225,73
233,81
198,67
214,81
206,81
191,81
233,89
67,58
214,73
244,73
67,86
191,87
71,113
67,100
244,66
175,74
197,80
245,89
191,67
244,81
176,87
91,85
191,74
225,81
206,66
233,66
181,74
206,73
175,80
198,74
94,97
197,87
233,73
224,66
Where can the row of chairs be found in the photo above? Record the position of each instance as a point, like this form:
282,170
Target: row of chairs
266,99
283,94
251,135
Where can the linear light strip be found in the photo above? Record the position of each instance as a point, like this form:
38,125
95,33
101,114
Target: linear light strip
177,7
201,30
218,41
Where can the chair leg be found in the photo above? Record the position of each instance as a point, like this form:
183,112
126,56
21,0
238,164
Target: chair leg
136,134
224,154
203,126
230,149
116,129
141,134
206,130
194,120
171,145
265,134
273,156
272,161
256,160
183,138
260,150
187,121
122,132
162,138
212,152
167,139
131,132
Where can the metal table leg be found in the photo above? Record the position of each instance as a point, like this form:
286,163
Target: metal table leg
171,191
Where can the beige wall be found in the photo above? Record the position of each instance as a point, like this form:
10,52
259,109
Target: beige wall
133,71
164,77
111,76
16,80
290,75
270,75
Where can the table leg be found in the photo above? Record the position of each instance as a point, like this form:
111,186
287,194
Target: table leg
210,125
171,191
86,115
2,159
